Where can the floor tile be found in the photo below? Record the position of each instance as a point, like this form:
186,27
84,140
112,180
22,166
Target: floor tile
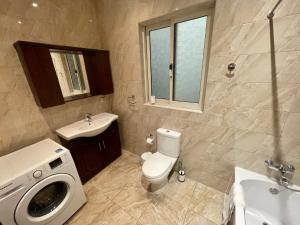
153,216
111,181
134,200
113,215
206,202
96,203
119,195
179,191
195,219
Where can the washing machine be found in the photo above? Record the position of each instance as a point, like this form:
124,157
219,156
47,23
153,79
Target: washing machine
39,185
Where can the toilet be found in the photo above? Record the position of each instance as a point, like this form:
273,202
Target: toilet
157,167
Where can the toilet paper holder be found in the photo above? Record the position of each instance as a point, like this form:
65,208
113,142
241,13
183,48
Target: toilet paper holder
150,136
150,139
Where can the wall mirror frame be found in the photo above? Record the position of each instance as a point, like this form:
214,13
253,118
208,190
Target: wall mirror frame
57,73
71,73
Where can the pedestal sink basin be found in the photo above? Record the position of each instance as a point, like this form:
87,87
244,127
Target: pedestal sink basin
83,128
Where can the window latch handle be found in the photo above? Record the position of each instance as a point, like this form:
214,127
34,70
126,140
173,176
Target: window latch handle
171,70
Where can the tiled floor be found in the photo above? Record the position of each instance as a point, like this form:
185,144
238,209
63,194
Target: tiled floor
117,196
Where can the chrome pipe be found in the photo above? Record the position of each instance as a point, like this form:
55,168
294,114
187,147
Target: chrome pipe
272,12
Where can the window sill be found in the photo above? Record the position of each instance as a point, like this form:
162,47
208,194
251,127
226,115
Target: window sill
177,106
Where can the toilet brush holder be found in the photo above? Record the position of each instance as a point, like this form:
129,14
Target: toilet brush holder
181,176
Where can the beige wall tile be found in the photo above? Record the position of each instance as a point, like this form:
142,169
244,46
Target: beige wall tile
238,124
22,122
255,68
292,126
296,103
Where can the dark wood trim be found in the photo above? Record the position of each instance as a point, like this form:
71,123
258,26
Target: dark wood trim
41,75
59,47
98,63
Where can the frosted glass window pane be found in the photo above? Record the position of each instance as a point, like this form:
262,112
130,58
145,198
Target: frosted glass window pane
160,60
189,47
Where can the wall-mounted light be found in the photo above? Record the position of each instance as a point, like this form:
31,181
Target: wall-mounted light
19,22
90,20
34,4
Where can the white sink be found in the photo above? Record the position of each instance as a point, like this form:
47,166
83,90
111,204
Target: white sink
83,128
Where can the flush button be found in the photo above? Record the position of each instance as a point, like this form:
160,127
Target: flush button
37,174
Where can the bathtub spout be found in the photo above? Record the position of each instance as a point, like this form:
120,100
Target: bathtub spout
284,182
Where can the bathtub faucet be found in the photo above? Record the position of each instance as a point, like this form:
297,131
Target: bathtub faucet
286,171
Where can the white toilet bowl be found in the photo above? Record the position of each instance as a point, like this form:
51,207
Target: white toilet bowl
145,156
157,168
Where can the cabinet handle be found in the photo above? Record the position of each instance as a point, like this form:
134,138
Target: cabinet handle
99,145
103,144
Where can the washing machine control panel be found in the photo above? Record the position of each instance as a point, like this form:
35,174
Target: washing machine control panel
47,169
55,163
37,174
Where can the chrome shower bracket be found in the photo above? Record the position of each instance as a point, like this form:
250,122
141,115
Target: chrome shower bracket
231,68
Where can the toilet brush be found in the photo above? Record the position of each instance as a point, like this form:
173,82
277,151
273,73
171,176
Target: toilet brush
181,173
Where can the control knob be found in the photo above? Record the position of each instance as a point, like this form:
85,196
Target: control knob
37,174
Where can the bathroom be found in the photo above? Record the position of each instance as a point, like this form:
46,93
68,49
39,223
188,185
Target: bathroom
246,115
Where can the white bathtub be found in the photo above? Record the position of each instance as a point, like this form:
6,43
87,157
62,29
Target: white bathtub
260,206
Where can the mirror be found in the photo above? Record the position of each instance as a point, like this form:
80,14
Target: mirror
71,73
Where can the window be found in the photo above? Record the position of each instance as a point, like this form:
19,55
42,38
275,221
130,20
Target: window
175,56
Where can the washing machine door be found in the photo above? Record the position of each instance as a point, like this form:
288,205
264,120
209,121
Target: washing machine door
45,200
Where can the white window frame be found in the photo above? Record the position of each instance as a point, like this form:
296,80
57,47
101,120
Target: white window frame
187,106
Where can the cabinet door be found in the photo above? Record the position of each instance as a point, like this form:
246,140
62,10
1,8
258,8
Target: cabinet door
99,72
110,140
90,160
76,155
41,76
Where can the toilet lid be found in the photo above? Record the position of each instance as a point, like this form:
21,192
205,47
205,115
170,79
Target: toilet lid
156,166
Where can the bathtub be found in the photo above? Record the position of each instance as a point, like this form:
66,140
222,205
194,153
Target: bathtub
260,206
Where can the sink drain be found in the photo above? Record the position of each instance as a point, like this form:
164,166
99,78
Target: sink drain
273,191
264,223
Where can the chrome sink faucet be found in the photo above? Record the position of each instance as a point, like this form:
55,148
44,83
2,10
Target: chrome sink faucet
88,118
286,171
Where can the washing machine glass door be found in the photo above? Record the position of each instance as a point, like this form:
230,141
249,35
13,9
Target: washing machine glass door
45,200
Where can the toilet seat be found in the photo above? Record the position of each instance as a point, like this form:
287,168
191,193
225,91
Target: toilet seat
156,166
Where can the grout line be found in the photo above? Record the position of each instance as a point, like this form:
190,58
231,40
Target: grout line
121,207
256,21
237,54
282,83
142,213
188,206
289,112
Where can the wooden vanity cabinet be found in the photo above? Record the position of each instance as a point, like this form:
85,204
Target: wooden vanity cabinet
92,154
